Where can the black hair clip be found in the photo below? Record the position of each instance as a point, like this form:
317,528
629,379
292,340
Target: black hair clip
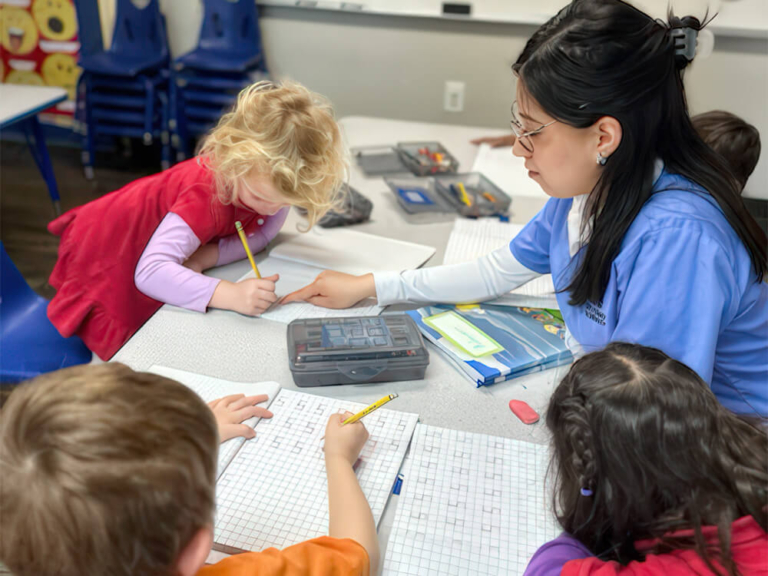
685,42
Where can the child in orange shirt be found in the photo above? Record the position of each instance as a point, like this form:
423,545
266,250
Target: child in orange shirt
90,487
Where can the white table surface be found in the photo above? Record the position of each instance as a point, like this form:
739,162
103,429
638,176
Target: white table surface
227,345
18,101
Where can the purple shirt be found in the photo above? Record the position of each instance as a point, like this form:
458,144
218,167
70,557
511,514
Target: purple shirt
550,558
160,273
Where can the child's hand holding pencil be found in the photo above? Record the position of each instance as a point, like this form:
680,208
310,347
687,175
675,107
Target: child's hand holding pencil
251,297
344,442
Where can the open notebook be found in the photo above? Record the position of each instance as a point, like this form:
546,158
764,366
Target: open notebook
469,504
272,491
301,257
471,239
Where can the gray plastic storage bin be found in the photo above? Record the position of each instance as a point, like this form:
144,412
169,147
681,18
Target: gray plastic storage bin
486,199
420,158
379,160
327,351
418,195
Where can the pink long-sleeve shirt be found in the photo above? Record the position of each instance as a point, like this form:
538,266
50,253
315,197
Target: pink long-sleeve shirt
160,273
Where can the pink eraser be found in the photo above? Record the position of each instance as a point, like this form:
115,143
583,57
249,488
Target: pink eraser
526,414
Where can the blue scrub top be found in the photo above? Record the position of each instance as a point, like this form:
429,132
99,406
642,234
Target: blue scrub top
682,282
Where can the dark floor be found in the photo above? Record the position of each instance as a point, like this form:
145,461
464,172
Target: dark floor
26,209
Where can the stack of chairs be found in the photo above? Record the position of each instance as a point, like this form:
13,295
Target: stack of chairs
205,82
123,91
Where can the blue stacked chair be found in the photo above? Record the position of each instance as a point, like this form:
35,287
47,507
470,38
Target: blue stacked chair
29,344
206,80
123,91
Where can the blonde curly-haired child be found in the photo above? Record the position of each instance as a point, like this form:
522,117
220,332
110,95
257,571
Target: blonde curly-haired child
124,255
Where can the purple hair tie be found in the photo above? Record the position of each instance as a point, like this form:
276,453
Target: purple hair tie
586,492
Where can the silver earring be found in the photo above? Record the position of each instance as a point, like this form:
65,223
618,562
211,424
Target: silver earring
601,159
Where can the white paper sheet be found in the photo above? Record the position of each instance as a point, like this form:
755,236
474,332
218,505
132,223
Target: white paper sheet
351,251
469,504
506,171
471,239
209,388
293,276
299,258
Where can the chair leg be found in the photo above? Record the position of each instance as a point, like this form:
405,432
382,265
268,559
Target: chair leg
178,119
149,111
165,139
79,123
88,129
34,131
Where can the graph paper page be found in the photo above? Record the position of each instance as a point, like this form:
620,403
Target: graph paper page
275,491
209,388
470,505
471,239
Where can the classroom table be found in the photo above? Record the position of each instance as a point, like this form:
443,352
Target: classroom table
19,103
227,345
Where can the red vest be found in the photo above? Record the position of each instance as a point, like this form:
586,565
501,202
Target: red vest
749,548
102,241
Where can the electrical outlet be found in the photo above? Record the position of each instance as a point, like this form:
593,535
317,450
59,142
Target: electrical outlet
454,96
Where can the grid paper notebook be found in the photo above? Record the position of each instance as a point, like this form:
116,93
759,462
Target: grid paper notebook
471,239
209,388
470,505
275,491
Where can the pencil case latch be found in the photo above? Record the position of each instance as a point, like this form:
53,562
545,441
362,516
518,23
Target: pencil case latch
361,371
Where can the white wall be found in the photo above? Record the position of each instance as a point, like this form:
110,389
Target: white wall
396,67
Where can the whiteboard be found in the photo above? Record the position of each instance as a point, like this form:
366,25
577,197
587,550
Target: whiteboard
745,18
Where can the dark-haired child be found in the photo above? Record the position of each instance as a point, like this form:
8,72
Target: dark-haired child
654,477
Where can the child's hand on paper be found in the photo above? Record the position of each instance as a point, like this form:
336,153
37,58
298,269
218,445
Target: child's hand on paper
231,411
495,141
344,442
251,297
334,290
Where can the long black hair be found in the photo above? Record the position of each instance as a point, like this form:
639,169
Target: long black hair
659,452
600,58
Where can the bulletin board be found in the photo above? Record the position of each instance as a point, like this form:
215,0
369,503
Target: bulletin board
39,46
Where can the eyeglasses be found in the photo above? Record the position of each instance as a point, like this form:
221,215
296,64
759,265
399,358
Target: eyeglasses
522,136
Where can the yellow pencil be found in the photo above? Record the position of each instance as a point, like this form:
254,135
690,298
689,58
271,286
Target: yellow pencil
247,249
365,411
464,195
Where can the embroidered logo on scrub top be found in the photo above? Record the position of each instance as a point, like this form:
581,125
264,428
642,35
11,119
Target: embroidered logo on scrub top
594,312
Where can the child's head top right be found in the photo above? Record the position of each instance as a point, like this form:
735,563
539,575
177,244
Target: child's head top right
106,471
281,143
734,139
642,448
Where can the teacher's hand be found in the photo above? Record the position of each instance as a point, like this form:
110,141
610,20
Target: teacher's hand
334,290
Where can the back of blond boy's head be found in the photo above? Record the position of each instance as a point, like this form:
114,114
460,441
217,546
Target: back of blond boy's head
286,132
104,471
